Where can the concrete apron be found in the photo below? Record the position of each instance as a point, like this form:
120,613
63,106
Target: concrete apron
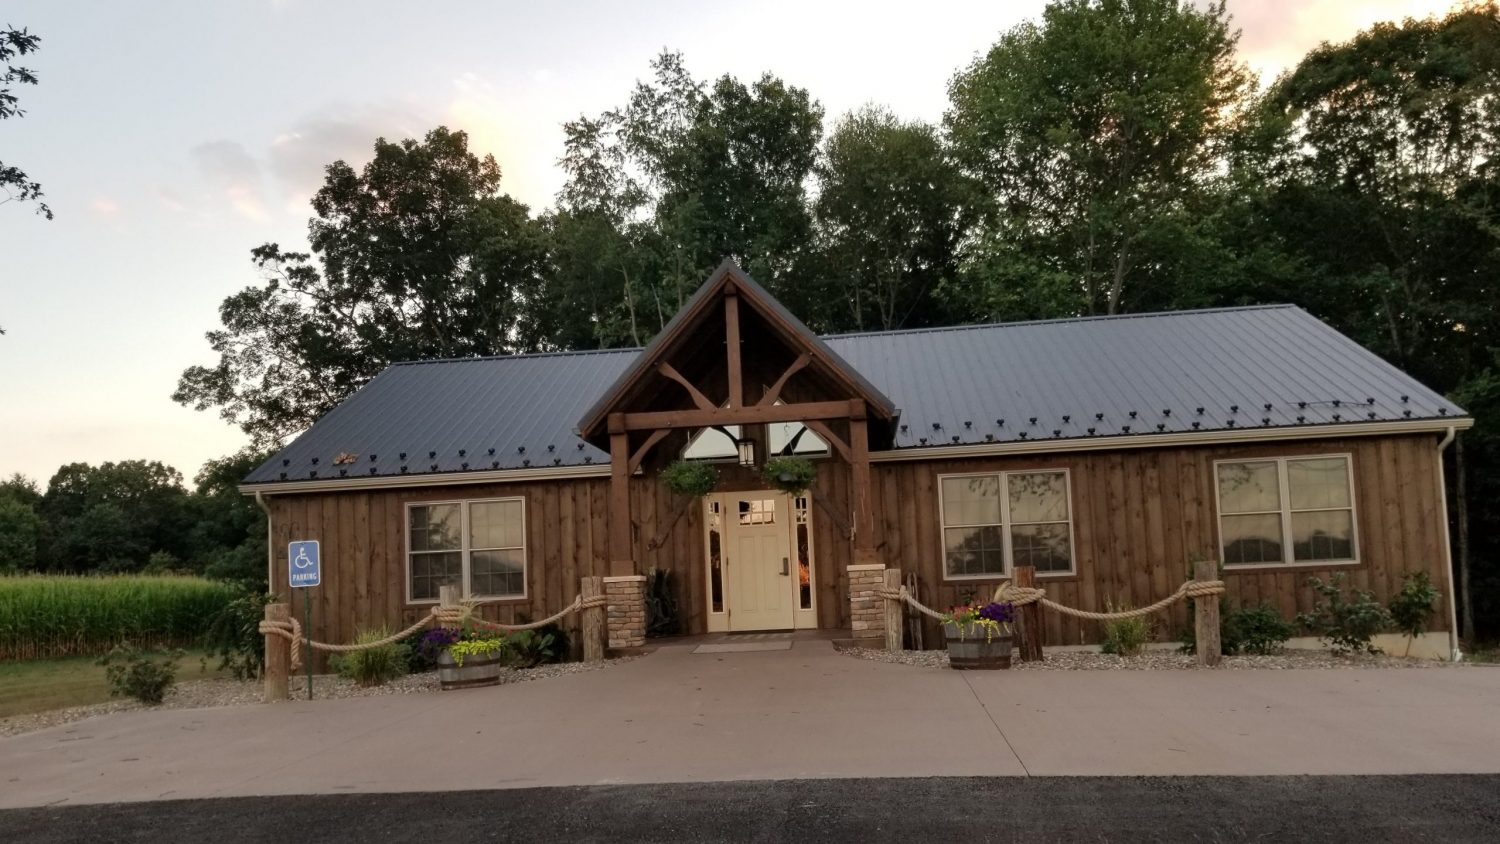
806,712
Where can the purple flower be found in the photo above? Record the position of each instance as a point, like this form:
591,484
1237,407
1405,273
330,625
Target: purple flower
1001,613
436,640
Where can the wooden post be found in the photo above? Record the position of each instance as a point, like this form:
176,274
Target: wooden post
448,596
894,613
278,655
860,488
1206,614
621,557
593,620
1029,641
732,346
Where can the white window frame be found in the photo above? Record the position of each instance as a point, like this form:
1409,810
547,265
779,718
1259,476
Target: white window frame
1007,560
1283,482
465,549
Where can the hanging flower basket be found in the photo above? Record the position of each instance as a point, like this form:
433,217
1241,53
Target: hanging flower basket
792,475
693,479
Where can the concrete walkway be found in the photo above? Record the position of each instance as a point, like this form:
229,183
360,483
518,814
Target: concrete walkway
807,712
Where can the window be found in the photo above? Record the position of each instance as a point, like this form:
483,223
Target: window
804,553
987,533
760,511
1305,504
478,545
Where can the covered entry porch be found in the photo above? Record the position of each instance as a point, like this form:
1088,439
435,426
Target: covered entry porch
747,556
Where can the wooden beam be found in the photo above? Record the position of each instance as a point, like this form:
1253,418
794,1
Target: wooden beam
834,440
651,441
732,341
865,551
621,560
775,391
697,396
735,416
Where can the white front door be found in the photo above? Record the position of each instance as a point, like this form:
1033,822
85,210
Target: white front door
759,564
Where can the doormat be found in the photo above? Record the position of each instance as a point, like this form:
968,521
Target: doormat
743,647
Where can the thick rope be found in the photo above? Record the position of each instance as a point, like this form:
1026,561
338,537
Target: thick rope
442,616
1022,595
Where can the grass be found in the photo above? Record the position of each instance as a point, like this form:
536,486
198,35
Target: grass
39,685
43,616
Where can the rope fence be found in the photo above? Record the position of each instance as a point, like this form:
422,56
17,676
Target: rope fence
1020,596
442,616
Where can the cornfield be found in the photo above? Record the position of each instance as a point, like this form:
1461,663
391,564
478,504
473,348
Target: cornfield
44,616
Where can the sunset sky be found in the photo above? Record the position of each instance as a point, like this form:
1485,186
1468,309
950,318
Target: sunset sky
172,137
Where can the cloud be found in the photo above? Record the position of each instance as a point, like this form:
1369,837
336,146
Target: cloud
104,206
235,174
298,157
1274,36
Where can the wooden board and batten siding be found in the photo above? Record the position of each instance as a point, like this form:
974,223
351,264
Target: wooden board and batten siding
1141,515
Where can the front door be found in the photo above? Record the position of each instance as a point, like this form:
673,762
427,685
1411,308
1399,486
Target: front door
759,561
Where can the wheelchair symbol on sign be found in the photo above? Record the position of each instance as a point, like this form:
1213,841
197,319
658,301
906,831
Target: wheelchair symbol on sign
302,560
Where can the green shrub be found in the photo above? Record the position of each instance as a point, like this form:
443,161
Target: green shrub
372,666
528,648
234,636
44,616
1127,636
1254,630
1412,608
134,674
467,648
1344,624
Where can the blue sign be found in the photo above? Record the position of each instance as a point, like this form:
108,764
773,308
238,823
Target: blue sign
303,564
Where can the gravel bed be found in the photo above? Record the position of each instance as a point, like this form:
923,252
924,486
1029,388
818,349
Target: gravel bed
200,694
1163,660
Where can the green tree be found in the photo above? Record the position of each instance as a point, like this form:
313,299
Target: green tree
20,526
1378,161
113,516
685,174
418,256
889,216
14,183
228,537
1092,134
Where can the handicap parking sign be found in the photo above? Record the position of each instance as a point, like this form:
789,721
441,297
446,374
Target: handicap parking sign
303,563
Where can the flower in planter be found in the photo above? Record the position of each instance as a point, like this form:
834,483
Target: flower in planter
994,619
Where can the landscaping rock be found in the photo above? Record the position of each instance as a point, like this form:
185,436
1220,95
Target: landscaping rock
1162,661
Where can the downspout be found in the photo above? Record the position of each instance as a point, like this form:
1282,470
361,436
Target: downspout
271,552
1453,651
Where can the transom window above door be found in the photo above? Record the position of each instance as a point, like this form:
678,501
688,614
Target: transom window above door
1286,511
714,444
477,545
995,521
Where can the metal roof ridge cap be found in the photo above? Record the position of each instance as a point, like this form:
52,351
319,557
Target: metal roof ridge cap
1021,323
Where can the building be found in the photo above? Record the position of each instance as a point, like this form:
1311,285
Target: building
1106,452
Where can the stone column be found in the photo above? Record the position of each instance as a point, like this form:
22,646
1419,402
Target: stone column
625,614
866,608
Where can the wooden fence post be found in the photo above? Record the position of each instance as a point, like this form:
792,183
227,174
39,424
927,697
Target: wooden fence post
894,613
1206,614
448,597
1029,646
278,655
593,620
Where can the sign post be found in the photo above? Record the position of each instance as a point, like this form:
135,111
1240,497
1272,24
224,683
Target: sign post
304,570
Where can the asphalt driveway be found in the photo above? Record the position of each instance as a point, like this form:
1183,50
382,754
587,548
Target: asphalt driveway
803,713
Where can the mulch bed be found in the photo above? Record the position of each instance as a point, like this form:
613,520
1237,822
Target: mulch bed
1158,660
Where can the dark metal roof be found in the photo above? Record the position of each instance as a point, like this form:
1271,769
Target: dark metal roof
1148,373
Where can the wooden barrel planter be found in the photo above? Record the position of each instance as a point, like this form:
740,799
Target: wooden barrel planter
477,670
973,650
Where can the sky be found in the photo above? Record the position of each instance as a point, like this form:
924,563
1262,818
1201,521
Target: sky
172,137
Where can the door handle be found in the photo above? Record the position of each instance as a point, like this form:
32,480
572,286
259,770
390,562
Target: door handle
786,570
